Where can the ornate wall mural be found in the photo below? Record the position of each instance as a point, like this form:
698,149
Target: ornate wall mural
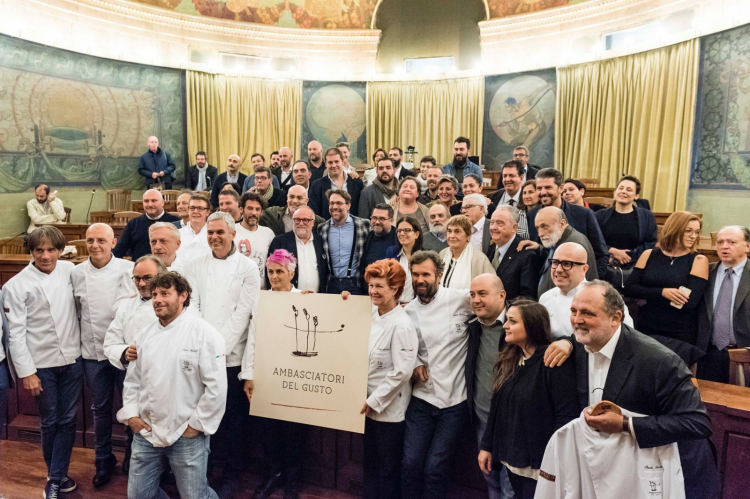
721,157
505,8
519,110
325,14
335,112
78,120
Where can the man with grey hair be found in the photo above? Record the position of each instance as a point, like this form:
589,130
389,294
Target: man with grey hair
226,287
165,240
233,174
134,241
724,314
474,206
435,239
615,362
156,166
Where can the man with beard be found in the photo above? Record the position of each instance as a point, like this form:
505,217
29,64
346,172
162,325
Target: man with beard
549,184
383,188
433,175
336,179
280,218
257,160
45,208
400,172
232,175
438,412
284,172
436,240
264,188
251,239
381,237
200,176
274,159
461,165
315,162
174,394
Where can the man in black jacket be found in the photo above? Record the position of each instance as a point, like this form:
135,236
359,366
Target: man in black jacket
518,270
156,166
641,375
200,176
134,240
315,161
521,154
336,179
396,154
233,174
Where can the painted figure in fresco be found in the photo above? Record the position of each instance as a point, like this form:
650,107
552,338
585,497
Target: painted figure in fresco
527,123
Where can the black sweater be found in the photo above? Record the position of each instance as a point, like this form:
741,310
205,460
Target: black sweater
528,409
134,240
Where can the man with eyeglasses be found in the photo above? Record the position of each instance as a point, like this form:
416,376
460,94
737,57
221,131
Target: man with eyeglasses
307,248
568,266
132,316
521,154
279,218
474,206
193,234
381,237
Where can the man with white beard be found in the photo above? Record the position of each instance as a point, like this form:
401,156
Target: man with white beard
435,240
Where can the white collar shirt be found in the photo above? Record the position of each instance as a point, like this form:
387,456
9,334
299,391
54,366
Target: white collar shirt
156,217
179,379
505,199
42,321
132,317
477,233
233,178
97,293
285,174
443,342
599,363
178,265
202,183
736,277
307,265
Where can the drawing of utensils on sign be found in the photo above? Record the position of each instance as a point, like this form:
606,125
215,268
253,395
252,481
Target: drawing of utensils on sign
306,333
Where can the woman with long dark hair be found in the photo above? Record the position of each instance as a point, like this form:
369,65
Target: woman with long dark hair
531,401
409,235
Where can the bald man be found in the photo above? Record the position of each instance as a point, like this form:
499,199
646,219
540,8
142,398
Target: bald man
233,174
315,160
134,240
99,284
156,166
284,172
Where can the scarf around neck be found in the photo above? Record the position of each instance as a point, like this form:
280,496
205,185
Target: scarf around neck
387,191
268,193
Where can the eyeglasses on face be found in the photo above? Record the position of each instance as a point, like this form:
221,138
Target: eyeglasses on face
197,208
468,206
145,278
404,231
302,220
380,219
566,264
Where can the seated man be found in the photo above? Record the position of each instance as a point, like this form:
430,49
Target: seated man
46,208
134,241
568,267
174,394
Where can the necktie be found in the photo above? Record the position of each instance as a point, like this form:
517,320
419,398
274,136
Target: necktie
723,335
496,258
511,201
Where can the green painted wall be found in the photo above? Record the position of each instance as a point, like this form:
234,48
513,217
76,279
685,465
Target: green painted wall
720,207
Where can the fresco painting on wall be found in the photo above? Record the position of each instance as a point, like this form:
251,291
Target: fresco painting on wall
519,110
721,155
335,112
326,14
505,8
78,120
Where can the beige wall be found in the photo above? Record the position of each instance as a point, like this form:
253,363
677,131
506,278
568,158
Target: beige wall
720,207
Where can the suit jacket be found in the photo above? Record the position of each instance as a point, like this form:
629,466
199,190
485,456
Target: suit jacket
648,378
643,203
191,177
288,241
221,179
432,243
583,220
368,199
470,367
531,171
278,198
319,202
647,233
273,218
285,185
519,270
361,229
570,235
405,172
741,311
486,238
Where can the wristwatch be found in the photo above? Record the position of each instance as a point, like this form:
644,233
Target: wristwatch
625,424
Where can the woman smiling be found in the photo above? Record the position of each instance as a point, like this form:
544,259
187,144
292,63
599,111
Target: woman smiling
462,262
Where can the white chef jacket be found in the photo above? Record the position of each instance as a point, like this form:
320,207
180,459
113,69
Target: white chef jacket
179,379
193,244
581,463
97,293
225,294
44,213
41,312
558,306
393,353
443,342
132,316
178,265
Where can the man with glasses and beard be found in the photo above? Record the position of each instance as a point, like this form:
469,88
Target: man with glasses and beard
383,188
436,240
461,165
252,239
381,236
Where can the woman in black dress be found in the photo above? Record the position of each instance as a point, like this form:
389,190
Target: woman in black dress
530,402
672,280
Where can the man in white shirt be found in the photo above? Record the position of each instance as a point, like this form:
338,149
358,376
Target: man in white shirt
251,239
174,394
45,208
226,287
284,172
165,240
99,284
437,413
193,242
45,345
307,248
474,206
569,269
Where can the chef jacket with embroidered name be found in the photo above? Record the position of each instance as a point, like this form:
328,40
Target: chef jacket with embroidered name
443,342
225,293
393,353
97,293
42,319
132,317
179,379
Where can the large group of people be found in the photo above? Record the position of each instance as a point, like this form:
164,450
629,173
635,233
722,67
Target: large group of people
505,312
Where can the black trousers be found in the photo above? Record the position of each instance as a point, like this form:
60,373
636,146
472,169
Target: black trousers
336,285
714,366
283,444
384,447
523,487
230,444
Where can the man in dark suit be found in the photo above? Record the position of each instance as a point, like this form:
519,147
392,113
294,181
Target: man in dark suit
315,161
284,171
312,274
435,239
518,270
724,315
396,154
200,176
233,174
549,186
641,375
335,179
521,154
